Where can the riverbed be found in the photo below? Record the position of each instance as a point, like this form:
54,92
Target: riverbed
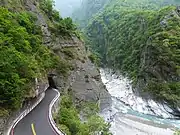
132,115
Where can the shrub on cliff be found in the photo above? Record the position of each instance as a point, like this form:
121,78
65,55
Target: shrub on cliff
64,27
94,59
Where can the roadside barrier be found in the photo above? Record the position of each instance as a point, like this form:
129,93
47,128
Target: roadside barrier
52,122
23,114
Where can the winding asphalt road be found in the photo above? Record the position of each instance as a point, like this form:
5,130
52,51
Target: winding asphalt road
37,122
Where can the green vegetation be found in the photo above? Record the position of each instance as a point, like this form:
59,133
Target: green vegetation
91,8
47,7
141,39
94,59
59,26
64,27
23,58
69,120
23,55
88,8
3,112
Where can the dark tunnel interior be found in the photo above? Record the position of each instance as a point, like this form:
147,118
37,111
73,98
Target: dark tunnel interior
51,82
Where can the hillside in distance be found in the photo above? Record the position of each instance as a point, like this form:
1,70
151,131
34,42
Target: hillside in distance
141,39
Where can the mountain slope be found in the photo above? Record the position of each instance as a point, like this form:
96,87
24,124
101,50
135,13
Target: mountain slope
36,44
141,39
23,55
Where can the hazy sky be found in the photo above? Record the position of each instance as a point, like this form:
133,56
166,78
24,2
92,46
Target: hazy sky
66,7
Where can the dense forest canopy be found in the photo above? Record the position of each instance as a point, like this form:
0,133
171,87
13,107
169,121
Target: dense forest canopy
22,57
141,38
90,8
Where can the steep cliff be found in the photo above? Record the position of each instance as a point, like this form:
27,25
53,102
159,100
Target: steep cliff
37,42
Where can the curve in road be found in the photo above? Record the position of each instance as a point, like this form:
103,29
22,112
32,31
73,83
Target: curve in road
37,121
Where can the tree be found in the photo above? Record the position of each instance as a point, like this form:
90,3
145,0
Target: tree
47,7
97,125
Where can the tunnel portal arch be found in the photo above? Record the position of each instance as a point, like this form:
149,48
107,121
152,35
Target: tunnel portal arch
51,80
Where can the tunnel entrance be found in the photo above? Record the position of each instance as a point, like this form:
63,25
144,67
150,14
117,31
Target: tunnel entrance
51,81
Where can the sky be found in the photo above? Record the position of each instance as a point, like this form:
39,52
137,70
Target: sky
66,7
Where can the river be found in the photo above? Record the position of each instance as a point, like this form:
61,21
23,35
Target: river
132,115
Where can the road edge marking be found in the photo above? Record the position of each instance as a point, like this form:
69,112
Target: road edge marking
50,118
10,129
33,129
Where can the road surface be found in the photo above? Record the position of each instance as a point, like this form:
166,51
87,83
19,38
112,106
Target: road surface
37,122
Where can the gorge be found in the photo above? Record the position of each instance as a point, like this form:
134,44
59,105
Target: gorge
139,39
131,114
116,65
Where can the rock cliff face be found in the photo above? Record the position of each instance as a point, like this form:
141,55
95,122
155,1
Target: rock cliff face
85,82
83,78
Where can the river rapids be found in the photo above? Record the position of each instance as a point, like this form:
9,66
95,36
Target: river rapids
132,115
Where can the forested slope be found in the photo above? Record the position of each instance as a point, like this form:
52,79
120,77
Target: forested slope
23,54
141,39
88,8
36,43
